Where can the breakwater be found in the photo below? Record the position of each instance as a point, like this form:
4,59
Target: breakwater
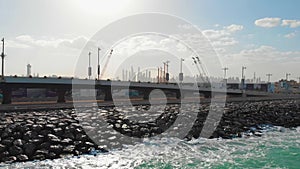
39,135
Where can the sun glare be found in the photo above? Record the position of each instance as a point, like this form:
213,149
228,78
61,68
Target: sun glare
102,7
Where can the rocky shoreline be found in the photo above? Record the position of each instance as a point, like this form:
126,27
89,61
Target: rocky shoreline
39,135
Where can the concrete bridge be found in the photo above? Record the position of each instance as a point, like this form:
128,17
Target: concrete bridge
62,85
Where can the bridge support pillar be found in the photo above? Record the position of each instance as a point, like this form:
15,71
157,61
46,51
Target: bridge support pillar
108,94
146,94
6,96
244,93
178,95
207,95
61,95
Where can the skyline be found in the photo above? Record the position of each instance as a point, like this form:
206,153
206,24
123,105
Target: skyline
263,37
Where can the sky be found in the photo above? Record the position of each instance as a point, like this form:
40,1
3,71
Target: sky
52,35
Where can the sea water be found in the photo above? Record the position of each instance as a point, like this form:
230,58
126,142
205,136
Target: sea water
276,148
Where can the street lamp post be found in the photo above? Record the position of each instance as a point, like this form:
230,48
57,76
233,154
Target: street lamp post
2,56
166,64
164,72
243,77
287,76
225,71
269,77
90,68
181,74
98,63
243,71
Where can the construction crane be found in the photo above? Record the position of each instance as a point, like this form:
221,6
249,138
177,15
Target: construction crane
196,63
106,63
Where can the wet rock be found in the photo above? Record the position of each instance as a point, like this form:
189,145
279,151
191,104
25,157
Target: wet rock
69,149
22,157
39,157
42,152
57,149
10,159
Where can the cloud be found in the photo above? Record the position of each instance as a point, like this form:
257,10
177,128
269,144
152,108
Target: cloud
290,35
234,28
77,43
223,37
32,42
27,41
267,54
14,44
25,38
291,23
274,22
268,22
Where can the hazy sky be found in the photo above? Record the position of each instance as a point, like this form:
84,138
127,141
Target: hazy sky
50,35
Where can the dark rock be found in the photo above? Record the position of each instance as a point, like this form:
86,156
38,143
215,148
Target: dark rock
66,141
29,122
15,150
17,135
89,144
30,135
6,133
49,126
36,141
45,145
10,159
53,138
29,149
58,131
8,141
83,149
4,155
69,149
81,136
57,149
69,135
2,148
70,129
45,132
42,152
51,155
37,127
22,157
19,142
39,157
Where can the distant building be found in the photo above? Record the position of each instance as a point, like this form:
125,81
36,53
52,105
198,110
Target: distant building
284,86
28,70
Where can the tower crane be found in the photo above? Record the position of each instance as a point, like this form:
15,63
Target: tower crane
106,63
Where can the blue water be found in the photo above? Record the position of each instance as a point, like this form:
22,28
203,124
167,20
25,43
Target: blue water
277,148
